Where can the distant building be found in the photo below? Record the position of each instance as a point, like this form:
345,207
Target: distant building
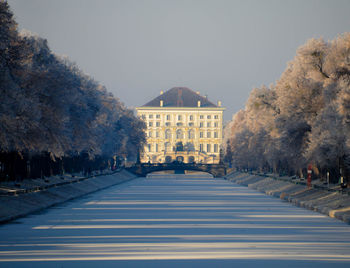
182,125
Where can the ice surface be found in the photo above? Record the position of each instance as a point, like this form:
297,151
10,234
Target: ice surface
176,221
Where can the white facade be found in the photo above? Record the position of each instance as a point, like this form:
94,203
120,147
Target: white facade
185,134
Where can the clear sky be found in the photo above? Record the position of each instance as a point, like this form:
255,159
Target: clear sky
222,48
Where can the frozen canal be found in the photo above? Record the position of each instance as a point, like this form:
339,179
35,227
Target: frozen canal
179,221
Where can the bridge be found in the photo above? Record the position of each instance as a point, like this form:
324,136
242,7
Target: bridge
142,169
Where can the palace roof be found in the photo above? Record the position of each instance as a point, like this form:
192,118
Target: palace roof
180,97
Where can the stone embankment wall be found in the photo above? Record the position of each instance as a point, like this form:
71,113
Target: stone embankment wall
331,202
27,200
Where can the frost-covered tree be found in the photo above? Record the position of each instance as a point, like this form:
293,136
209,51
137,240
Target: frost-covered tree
18,107
51,110
327,140
250,130
303,118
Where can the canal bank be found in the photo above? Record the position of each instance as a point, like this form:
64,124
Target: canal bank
34,195
331,202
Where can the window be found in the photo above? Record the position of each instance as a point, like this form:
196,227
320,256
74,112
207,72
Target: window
167,146
191,134
191,117
209,117
179,134
201,147
149,147
150,124
208,134
215,148
208,148
150,116
190,124
157,124
179,124
216,116
215,134
168,134
150,134
167,124
201,134
179,117
201,116
208,124
201,124
156,147
143,117
168,117
158,116
216,124
157,134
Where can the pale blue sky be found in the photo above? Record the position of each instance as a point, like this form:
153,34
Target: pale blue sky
221,48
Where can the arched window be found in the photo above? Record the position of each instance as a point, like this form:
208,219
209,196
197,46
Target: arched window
168,134
180,159
179,134
191,159
191,134
167,147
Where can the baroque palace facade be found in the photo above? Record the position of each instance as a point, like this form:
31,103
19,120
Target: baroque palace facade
182,126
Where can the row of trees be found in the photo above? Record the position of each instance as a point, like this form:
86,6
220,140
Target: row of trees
51,110
304,118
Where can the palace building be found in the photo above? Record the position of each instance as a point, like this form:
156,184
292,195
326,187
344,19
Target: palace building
182,126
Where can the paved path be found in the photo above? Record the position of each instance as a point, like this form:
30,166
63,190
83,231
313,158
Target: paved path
176,222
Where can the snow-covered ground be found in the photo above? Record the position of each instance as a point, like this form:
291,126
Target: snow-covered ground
176,221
